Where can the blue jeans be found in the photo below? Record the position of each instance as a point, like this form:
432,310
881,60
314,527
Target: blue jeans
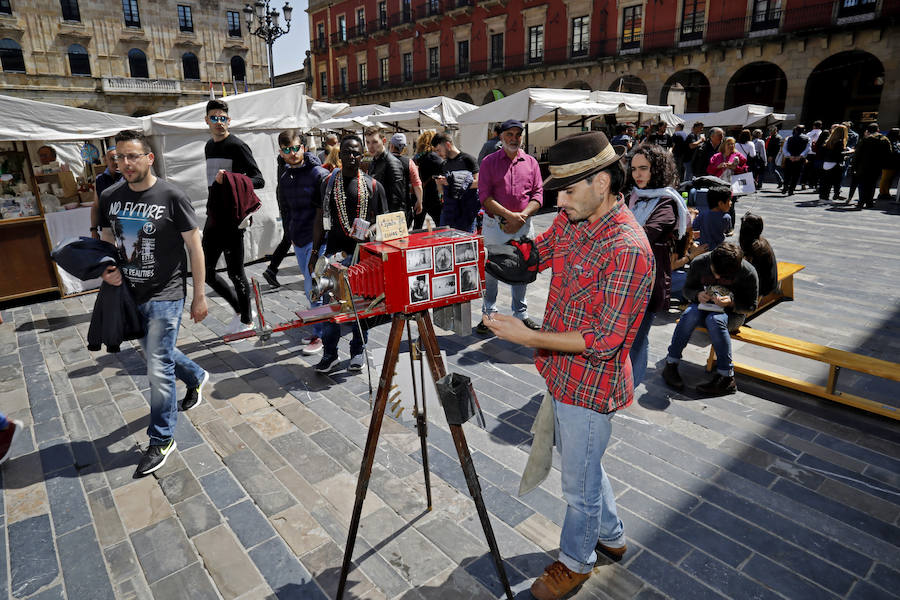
640,348
302,253
331,333
494,235
717,326
582,435
679,276
165,362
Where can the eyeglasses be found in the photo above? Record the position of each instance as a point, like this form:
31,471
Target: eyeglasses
130,157
290,149
217,119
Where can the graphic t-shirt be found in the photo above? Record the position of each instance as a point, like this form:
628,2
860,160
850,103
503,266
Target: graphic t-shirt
147,227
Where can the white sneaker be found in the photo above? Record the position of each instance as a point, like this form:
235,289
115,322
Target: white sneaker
236,326
233,324
357,361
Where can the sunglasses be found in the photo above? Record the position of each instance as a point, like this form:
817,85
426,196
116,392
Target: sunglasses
290,149
130,157
218,119
351,152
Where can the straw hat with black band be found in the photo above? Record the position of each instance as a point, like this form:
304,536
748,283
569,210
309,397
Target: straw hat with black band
578,157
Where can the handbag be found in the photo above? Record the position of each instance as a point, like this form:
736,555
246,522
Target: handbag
742,184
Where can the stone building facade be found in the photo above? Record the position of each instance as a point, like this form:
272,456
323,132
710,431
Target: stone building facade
131,57
829,60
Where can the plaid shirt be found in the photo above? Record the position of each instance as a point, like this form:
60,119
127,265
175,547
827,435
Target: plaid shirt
602,276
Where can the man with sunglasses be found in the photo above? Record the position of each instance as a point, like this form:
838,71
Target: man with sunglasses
723,289
299,193
347,194
151,221
226,153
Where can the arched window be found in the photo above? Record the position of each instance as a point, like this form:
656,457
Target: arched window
79,62
11,56
191,66
137,63
238,68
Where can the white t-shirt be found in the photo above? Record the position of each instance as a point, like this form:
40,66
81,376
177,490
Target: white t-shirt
748,150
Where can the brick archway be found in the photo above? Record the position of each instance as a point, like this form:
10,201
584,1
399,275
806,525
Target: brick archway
696,89
844,86
629,84
760,82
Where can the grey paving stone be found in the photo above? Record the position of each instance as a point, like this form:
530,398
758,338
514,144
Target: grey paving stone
777,577
453,540
283,572
82,565
201,460
54,593
504,506
190,583
865,591
122,562
48,431
55,456
669,579
162,549
222,489
653,537
186,435
179,485
248,523
260,447
305,456
67,503
269,494
337,446
32,556
197,514
484,571
722,577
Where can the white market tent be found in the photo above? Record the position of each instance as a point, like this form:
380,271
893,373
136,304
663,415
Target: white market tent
352,117
747,115
179,136
537,105
413,115
29,120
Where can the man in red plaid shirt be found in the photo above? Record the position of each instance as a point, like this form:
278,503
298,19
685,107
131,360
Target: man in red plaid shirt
602,274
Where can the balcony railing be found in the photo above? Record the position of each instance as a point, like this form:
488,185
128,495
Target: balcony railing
769,23
138,85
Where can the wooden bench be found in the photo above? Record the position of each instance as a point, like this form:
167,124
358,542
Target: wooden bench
836,359
783,291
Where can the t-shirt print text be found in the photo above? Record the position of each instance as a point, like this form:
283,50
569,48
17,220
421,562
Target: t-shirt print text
137,209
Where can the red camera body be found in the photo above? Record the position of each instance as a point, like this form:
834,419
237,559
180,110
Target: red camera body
428,269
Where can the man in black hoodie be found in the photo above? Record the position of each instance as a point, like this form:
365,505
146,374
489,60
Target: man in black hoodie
227,153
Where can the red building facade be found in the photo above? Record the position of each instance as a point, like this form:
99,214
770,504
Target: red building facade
784,53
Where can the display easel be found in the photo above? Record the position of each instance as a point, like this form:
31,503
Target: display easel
432,352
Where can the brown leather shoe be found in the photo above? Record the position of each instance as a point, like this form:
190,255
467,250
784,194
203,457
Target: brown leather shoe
556,582
613,554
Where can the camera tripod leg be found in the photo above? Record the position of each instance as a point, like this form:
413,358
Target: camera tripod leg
421,415
365,471
438,370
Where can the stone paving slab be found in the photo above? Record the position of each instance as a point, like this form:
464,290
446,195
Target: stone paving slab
766,494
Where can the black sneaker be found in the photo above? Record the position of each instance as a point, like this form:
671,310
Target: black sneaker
531,324
482,329
270,278
719,385
194,396
672,377
326,364
154,458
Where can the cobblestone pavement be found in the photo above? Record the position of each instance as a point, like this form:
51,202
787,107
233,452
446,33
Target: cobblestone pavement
765,494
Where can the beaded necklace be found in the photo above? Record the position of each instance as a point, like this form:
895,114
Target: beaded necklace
340,201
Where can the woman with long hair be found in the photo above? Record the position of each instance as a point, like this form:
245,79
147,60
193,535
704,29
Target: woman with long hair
333,159
727,161
423,144
831,153
660,210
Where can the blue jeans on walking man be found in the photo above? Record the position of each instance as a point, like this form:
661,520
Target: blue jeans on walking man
640,349
718,326
582,436
331,333
302,253
165,362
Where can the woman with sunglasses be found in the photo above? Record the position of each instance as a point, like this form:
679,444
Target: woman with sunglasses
660,210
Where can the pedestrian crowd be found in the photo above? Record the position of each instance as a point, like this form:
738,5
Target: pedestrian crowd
623,247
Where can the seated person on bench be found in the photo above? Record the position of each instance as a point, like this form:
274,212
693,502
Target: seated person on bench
715,222
758,252
722,288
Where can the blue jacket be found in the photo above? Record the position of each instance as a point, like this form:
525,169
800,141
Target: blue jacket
299,191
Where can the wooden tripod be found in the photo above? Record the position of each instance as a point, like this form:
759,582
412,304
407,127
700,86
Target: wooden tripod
436,364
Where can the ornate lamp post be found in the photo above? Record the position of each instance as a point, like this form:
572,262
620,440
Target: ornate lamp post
269,28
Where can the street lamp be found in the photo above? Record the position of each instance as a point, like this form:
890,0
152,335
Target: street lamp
269,28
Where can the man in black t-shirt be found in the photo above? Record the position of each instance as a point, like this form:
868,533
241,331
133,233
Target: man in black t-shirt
150,221
660,137
459,207
431,166
227,153
347,194
693,141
